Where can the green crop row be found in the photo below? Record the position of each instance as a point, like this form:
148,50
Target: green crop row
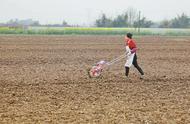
93,31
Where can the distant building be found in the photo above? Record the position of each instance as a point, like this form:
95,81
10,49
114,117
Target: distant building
27,22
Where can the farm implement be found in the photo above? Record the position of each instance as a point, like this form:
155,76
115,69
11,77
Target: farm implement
98,68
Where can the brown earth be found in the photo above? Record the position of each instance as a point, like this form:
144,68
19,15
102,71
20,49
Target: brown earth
43,79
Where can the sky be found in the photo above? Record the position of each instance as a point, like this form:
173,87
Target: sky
85,12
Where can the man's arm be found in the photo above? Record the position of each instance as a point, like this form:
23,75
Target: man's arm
133,50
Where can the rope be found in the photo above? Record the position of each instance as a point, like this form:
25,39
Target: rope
116,59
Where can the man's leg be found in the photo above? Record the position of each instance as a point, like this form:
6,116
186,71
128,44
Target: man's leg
136,65
127,71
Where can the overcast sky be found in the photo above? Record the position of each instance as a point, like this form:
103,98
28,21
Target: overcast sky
86,11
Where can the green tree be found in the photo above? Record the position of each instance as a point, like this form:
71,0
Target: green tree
64,23
165,24
103,21
120,21
144,23
181,21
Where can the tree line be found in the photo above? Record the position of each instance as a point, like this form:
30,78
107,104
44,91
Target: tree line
132,18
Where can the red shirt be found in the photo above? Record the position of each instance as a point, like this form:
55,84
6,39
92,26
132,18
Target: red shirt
130,42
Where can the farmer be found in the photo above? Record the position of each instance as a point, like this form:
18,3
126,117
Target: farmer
131,55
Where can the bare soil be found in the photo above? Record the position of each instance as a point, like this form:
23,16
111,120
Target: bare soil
43,79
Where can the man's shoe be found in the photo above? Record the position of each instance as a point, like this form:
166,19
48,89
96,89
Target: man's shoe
142,77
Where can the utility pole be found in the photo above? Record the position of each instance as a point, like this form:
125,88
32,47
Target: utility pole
139,25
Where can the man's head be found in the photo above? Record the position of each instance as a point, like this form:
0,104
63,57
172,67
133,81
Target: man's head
129,35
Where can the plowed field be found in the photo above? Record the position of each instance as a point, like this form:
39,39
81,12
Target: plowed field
43,79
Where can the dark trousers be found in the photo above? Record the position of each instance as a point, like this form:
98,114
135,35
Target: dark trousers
135,65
